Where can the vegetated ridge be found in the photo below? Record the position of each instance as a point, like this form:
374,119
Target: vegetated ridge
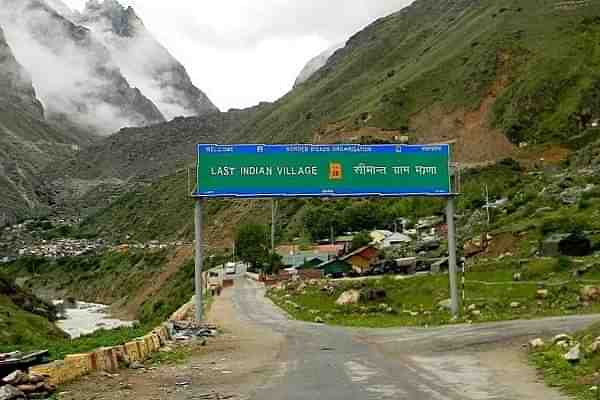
24,318
490,75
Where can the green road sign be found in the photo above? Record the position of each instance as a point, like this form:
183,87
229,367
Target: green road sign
251,171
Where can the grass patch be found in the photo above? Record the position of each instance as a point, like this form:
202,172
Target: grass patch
573,379
60,347
415,301
174,357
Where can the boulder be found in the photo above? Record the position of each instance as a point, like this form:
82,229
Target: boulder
574,355
9,392
542,293
562,338
445,304
27,388
301,288
35,378
536,344
349,297
16,378
590,293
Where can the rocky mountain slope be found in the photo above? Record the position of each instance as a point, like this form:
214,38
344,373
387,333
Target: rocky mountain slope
315,64
27,141
143,60
73,73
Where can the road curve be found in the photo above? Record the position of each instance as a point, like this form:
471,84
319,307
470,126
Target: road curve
448,363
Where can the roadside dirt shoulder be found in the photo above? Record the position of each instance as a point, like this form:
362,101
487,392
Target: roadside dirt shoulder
236,363
510,364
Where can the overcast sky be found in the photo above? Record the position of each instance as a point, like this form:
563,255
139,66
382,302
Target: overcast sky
241,52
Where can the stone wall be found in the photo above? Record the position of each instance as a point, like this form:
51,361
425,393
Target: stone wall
107,359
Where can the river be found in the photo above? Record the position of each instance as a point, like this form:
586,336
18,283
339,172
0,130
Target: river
88,318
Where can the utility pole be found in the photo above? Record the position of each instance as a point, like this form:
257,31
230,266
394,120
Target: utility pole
189,190
332,237
452,270
487,205
234,250
199,259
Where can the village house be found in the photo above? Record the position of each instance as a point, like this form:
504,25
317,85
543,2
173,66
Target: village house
363,259
335,268
396,240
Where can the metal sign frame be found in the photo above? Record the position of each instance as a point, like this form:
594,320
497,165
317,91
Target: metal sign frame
334,190
450,196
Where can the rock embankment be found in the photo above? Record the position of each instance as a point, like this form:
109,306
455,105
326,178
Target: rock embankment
20,385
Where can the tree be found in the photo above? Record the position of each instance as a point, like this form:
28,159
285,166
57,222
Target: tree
361,240
252,244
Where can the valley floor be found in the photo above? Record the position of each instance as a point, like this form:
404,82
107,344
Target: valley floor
264,355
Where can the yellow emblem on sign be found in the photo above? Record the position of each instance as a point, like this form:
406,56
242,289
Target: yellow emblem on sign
335,172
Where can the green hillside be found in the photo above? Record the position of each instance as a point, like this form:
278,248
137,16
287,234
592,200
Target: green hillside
529,68
24,319
489,74
28,143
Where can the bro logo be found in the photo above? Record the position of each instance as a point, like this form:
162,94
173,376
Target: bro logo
335,172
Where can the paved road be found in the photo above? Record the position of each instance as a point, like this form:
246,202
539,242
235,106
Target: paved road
476,362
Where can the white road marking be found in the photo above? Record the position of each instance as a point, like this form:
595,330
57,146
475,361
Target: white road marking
463,375
361,373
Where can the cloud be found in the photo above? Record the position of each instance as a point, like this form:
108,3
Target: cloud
241,52
73,75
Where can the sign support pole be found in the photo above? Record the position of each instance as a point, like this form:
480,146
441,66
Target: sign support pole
273,217
199,259
453,270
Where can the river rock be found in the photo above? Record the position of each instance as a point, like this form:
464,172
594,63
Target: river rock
9,392
536,344
349,297
574,355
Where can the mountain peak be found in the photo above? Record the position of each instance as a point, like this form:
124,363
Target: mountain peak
121,20
15,82
145,62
